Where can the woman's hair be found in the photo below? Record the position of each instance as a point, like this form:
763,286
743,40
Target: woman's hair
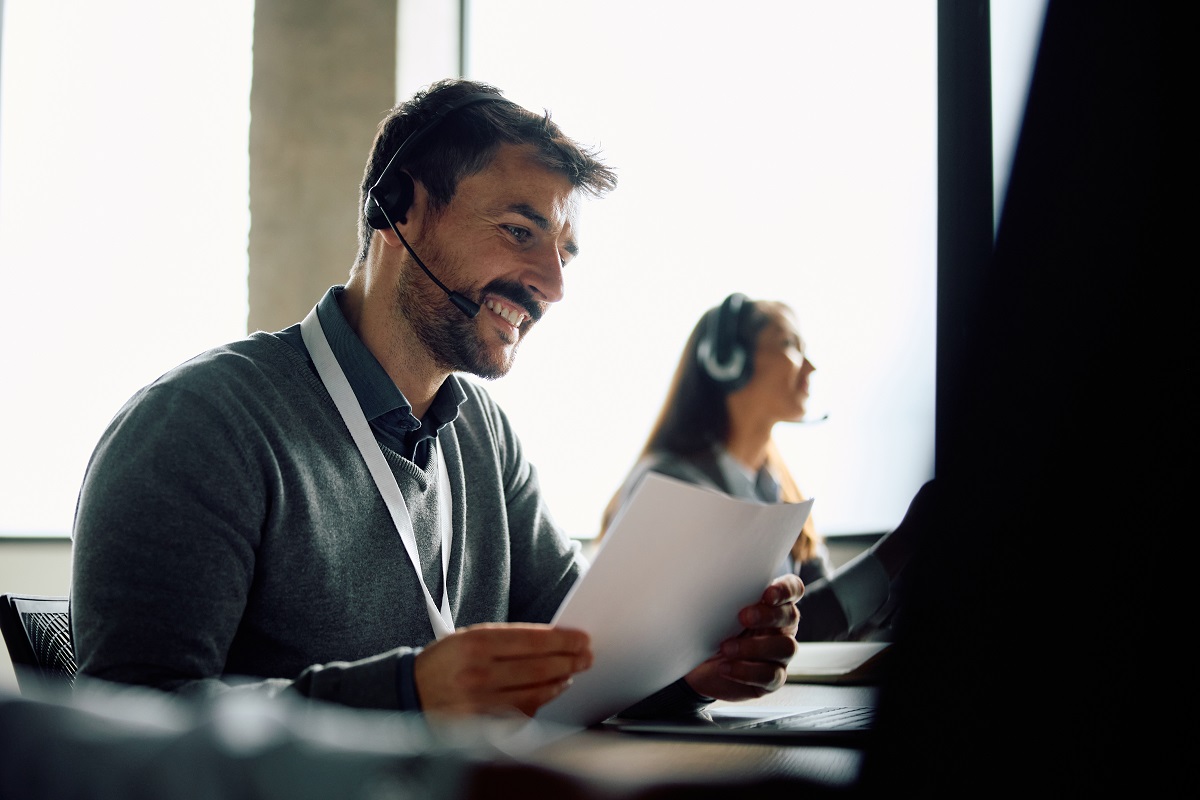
695,417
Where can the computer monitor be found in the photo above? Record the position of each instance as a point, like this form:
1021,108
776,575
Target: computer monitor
1030,610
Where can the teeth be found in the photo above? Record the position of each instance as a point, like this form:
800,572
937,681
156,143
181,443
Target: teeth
513,318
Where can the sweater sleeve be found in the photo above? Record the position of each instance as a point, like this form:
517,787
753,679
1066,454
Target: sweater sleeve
165,552
162,564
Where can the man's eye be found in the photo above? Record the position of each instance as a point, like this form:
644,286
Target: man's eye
517,232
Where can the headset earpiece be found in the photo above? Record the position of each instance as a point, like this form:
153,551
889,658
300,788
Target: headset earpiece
391,197
719,352
397,200
406,190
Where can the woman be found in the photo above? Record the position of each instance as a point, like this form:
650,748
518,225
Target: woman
742,371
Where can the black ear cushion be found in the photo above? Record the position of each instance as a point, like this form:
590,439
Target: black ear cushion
394,196
726,328
720,353
405,190
396,200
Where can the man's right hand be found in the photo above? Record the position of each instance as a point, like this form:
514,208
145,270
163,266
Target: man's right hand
497,668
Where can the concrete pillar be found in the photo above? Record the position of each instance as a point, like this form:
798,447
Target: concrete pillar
324,75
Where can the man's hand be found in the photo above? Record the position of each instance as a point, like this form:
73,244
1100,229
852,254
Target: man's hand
498,668
755,662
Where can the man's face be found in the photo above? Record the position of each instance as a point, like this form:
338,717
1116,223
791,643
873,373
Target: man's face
503,242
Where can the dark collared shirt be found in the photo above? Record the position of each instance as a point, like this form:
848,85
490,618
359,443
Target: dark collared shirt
384,405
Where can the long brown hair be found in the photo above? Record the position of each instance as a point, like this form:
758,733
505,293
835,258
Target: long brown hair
694,416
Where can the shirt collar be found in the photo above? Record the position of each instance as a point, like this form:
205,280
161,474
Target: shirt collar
744,482
376,392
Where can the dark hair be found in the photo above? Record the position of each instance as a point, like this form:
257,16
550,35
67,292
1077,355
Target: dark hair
465,143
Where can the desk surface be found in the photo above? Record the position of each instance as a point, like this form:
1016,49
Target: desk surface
114,735
623,760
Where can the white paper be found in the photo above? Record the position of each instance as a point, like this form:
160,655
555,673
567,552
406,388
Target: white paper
665,588
832,658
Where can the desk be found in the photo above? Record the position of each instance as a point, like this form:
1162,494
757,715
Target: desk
624,761
235,745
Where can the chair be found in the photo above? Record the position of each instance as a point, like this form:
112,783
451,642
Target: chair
38,634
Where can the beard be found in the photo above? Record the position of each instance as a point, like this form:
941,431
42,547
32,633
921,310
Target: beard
451,337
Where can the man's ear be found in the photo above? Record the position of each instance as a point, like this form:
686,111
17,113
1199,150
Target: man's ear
390,238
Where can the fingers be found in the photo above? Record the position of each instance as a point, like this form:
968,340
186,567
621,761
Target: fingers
782,590
776,609
755,662
777,649
736,679
515,641
524,701
753,678
510,674
498,668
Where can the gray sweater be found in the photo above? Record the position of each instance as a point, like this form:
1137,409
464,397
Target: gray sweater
228,531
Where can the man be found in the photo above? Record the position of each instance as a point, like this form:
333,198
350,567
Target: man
307,510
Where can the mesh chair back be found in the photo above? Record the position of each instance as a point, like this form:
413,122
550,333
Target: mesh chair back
37,631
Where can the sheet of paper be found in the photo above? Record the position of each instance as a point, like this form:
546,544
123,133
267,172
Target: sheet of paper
664,590
815,660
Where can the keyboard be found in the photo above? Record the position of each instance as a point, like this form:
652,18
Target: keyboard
826,718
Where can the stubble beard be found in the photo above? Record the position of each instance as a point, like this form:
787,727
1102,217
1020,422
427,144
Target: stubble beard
449,336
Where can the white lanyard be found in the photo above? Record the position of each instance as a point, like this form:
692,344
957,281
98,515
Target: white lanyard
343,397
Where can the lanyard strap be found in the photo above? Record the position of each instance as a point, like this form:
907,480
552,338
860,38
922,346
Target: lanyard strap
343,396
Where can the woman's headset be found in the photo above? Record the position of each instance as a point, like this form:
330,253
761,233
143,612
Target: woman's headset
720,353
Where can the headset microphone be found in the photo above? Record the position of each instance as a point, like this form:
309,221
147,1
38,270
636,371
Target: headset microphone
468,307
399,194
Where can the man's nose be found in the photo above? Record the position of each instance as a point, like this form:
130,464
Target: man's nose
544,275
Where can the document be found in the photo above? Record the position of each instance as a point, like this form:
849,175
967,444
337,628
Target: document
664,590
837,662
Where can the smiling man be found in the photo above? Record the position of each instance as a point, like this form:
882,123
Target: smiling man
330,510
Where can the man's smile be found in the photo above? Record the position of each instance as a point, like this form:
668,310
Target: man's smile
510,313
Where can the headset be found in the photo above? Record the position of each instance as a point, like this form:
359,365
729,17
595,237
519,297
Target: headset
720,353
386,203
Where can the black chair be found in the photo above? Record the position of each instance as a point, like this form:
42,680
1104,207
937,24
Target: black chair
37,631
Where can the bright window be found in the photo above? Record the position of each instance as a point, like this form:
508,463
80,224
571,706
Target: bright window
124,216
785,149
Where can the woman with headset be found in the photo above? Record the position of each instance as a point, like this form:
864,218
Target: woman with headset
742,371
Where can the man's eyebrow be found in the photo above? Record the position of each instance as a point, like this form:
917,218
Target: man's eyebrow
534,216
530,213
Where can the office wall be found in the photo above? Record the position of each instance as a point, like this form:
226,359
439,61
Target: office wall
324,75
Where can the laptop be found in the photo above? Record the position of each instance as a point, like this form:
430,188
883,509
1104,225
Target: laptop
848,726
814,662
847,662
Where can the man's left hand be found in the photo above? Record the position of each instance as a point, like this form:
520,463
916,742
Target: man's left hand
754,663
